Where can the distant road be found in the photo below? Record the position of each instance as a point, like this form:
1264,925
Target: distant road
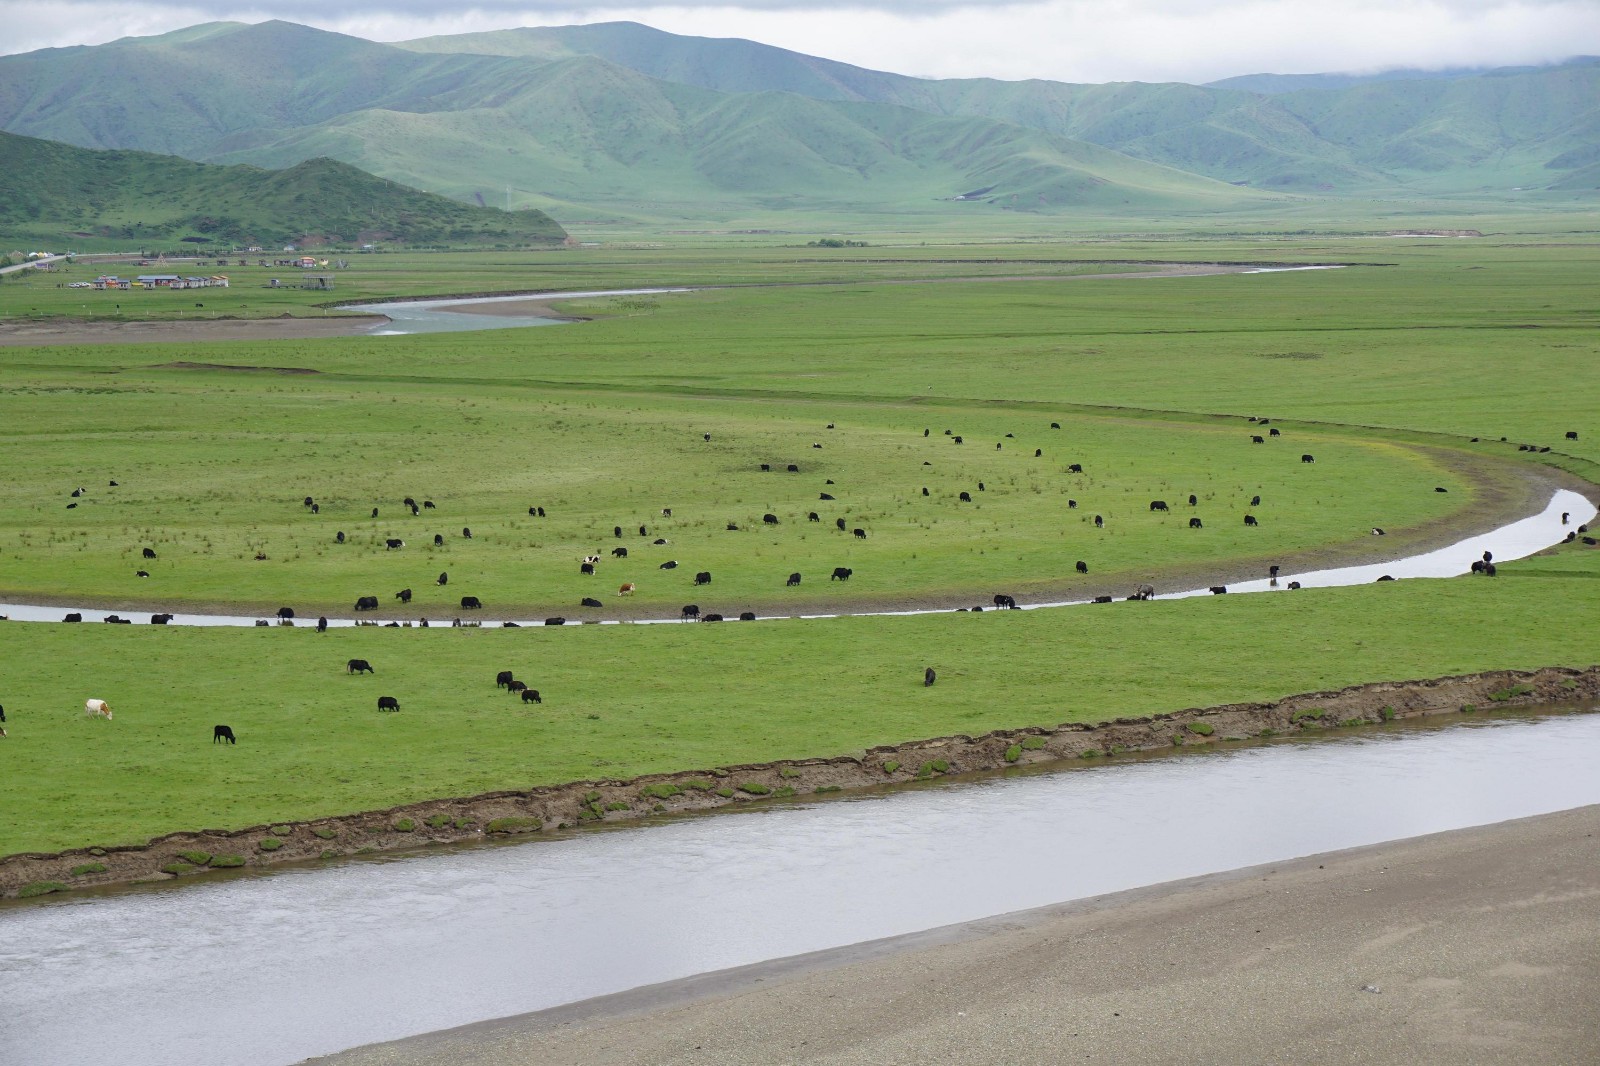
46,260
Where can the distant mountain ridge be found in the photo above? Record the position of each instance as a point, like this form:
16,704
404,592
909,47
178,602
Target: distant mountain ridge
1282,83
623,119
58,192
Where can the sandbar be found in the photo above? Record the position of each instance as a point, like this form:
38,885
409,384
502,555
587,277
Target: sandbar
1474,946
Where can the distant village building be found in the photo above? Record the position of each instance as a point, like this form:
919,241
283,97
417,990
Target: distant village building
160,281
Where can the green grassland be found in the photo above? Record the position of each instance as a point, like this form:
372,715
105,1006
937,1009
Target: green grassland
228,485
625,700
1384,372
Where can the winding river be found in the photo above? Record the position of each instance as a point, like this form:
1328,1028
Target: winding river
268,968
1516,540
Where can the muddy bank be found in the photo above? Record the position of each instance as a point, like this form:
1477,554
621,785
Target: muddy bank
507,814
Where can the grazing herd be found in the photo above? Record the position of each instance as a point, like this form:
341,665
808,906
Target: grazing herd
589,564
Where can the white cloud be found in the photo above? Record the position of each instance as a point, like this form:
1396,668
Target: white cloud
1064,40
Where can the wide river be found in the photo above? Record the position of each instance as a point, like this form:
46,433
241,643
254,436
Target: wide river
269,968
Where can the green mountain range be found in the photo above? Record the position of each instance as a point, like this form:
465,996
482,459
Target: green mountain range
59,194
620,120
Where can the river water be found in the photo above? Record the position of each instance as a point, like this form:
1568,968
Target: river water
455,315
267,969
1516,540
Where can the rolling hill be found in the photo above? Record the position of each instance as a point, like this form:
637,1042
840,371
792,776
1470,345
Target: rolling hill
56,193
1435,131
622,120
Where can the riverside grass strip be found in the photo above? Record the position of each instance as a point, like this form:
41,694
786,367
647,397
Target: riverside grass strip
573,805
632,700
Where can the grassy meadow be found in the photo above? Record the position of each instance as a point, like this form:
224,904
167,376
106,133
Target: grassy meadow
626,700
1384,371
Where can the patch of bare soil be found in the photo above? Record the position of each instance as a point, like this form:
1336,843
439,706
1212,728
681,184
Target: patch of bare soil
501,815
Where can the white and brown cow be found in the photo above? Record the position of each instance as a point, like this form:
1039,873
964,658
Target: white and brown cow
100,707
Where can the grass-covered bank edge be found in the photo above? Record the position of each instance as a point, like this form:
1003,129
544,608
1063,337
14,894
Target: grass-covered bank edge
506,814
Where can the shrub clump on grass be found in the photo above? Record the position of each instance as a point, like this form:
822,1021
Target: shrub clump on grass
1511,693
756,788
661,790
1348,722
591,797
1386,715
616,805
1013,753
1306,716
224,862
699,784
464,823
271,844
179,868
97,851
405,825
199,858
41,888
89,868
1203,729
1089,753
324,834
891,766
725,792
513,826
931,767
1032,743
438,821
281,830
1468,708
785,771
784,793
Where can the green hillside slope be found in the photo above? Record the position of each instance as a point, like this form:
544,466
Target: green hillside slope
60,194
583,132
179,92
1452,131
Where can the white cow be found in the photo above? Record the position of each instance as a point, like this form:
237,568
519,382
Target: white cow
92,707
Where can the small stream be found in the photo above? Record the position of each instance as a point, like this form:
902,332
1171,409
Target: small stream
1516,540
263,969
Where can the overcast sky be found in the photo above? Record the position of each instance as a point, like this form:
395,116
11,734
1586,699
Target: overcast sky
1063,40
